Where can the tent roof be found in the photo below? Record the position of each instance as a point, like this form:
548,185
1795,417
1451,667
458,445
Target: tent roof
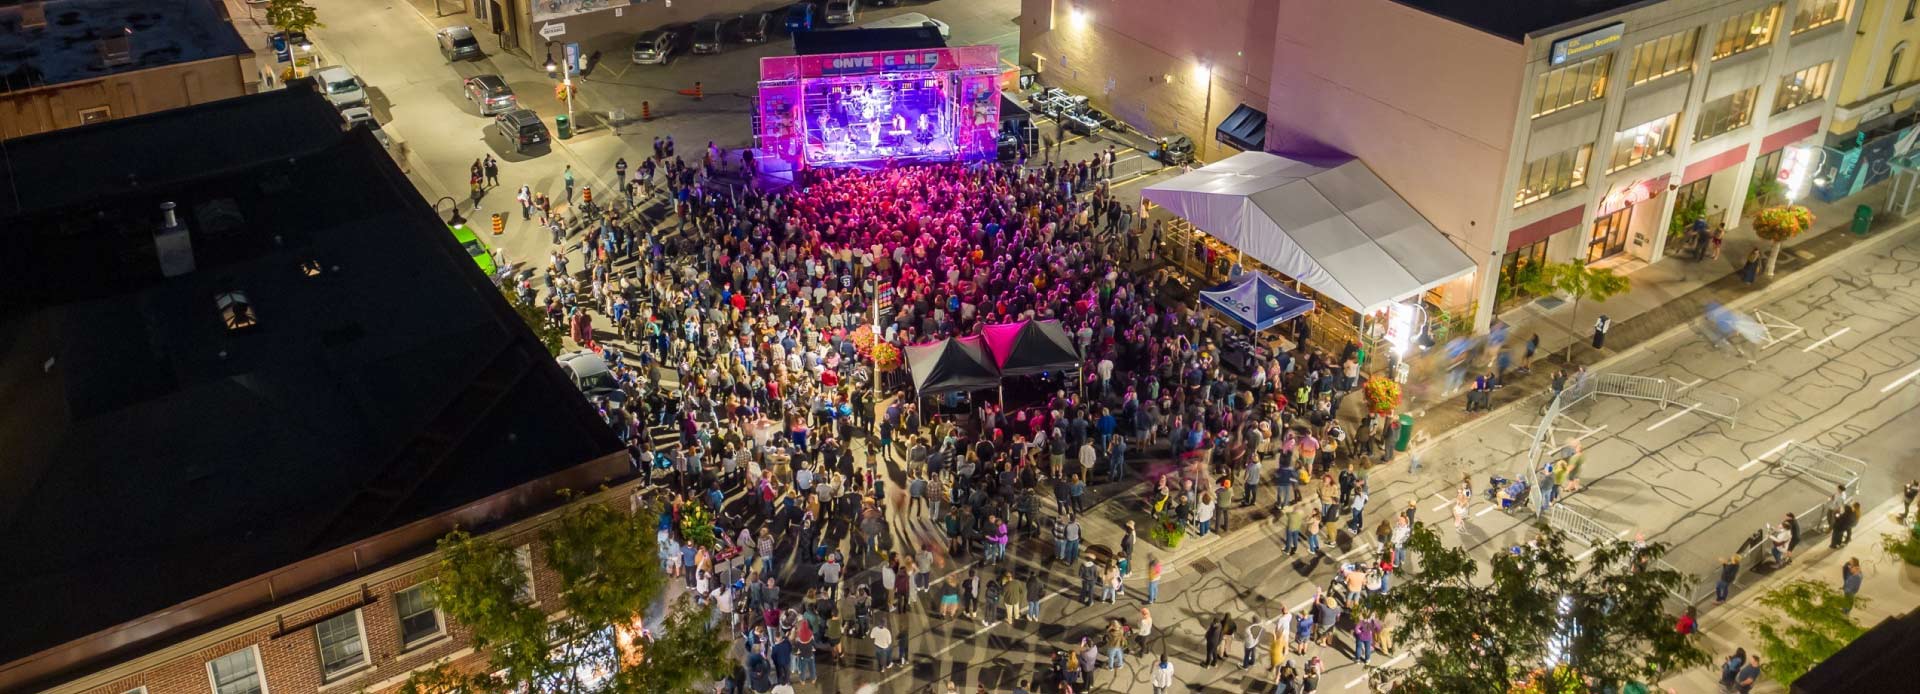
1255,300
1030,347
959,363
1336,227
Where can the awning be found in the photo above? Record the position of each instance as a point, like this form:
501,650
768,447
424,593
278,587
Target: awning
1337,228
953,364
1245,129
1255,300
1030,347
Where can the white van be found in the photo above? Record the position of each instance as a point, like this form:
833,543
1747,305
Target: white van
910,20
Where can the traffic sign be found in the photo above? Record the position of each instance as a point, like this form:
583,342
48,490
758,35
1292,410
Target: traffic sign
552,29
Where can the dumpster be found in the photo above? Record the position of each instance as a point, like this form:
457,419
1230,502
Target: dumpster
1862,218
1406,433
563,126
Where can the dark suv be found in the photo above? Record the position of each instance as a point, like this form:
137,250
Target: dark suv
522,129
710,35
753,26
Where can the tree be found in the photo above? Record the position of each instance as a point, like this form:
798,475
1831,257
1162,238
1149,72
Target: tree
1542,621
292,16
1579,282
1777,224
611,586
550,335
1809,624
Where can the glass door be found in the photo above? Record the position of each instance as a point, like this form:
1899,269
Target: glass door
1609,235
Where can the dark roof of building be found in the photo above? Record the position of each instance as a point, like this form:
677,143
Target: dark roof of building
1875,662
1514,19
153,455
79,39
866,40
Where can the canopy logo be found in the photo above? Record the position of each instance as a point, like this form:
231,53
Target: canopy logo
1237,305
1273,301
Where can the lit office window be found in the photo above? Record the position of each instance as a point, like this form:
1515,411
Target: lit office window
1667,55
1571,85
1726,114
1802,87
1642,142
1553,173
1746,31
1818,13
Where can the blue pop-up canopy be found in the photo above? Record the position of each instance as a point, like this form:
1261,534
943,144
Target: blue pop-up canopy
1256,301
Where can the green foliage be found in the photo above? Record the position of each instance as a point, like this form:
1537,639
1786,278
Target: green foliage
1517,282
292,16
1778,224
1488,636
1167,532
685,653
477,583
1765,191
1810,624
550,335
1903,546
696,526
1580,282
607,559
444,678
1684,215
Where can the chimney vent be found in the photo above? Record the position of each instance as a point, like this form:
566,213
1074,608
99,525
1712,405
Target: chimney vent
172,244
117,49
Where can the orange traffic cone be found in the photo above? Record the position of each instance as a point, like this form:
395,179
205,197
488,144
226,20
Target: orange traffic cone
646,111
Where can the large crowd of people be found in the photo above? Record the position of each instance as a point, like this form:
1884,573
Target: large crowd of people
838,499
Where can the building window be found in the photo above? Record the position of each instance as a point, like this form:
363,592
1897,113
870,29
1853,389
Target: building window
1746,31
523,557
1609,235
1765,168
1814,14
95,114
1571,85
1552,174
237,672
1893,64
1517,268
1642,142
342,650
1725,114
1803,87
1667,55
1690,192
419,614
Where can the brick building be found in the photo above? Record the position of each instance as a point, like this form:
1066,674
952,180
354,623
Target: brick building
265,380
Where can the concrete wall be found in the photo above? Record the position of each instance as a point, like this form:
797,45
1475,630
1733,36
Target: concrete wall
126,94
625,22
1152,63
1863,93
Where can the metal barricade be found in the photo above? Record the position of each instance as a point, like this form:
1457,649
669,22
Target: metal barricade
1575,524
1716,405
1632,387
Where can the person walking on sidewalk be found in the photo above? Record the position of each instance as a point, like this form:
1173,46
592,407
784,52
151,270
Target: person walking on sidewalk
1162,675
1850,577
1730,670
567,178
525,198
1213,638
492,168
1729,570
1749,674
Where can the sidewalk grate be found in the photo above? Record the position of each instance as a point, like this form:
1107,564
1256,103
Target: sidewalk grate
1205,566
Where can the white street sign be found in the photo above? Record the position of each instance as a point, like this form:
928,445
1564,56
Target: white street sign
548,31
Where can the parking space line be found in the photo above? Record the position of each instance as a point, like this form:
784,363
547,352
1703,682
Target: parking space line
1827,339
1901,381
1673,416
1768,454
1485,511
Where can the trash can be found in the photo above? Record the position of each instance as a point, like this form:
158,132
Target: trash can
1862,218
1406,433
563,127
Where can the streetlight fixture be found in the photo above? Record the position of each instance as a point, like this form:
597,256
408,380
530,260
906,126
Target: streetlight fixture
566,82
454,219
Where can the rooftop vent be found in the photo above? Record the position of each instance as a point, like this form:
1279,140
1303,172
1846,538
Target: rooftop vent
235,310
117,49
33,15
172,244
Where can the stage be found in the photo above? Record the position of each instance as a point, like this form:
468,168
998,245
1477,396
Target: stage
931,104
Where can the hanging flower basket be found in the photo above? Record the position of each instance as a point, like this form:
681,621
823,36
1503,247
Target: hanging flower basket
863,341
886,356
1383,395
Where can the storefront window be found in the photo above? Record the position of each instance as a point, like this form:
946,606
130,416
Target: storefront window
1515,269
1667,55
1642,142
1764,186
1803,87
1609,235
1726,114
1552,174
1746,31
1571,85
1814,14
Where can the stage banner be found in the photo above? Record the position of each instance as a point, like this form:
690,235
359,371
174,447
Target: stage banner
842,64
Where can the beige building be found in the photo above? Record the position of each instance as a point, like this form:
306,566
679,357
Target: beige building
1523,131
65,63
519,23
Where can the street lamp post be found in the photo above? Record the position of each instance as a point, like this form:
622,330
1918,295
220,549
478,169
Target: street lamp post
566,82
454,220
1206,114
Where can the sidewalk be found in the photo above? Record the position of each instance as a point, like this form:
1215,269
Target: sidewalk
1884,587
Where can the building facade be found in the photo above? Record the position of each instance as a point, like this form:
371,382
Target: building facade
529,25
1568,138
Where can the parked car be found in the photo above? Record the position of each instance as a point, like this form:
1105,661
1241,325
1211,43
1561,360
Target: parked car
522,129
490,94
801,15
476,248
343,89
457,43
842,11
910,20
360,117
588,371
656,46
752,27
711,35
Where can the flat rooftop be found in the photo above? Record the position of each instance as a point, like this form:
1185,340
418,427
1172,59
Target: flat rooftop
1515,19
69,47
153,455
